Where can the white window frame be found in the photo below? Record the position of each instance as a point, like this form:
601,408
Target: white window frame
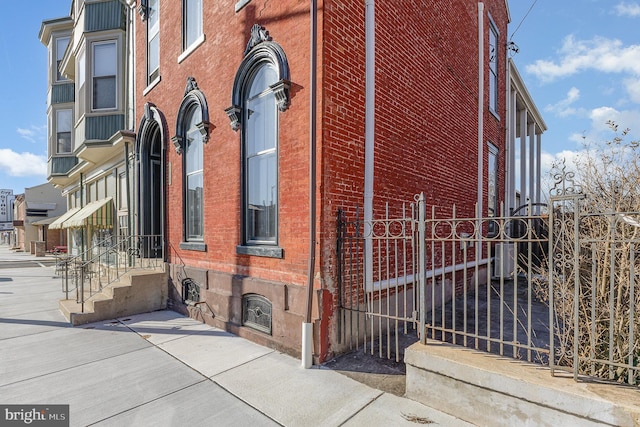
494,40
59,55
95,44
70,130
492,181
190,7
153,34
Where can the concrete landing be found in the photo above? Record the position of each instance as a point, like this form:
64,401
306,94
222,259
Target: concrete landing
488,390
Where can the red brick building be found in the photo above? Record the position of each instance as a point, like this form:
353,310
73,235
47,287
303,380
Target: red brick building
222,100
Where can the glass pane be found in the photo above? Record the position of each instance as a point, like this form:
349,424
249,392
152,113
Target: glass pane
261,116
193,152
193,24
152,9
194,206
61,46
104,92
64,142
104,59
265,77
122,190
81,71
262,197
64,121
154,54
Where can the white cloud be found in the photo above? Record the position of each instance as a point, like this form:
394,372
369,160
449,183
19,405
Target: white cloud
628,9
600,54
633,88
22,164
563,108
33,133
27,134
624,119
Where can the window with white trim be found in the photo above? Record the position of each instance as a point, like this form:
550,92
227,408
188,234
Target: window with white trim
61,47
493,68
64,120
104,75
191,22
492,190
153,40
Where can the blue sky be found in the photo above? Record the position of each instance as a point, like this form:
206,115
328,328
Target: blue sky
579,58
23,92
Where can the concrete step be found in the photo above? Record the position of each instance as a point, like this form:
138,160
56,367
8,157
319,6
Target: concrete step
488,390
136,292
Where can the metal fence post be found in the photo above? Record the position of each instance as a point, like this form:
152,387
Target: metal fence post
422,267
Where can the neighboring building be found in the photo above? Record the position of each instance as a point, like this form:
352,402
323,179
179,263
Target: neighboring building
89,112
32,210
6,211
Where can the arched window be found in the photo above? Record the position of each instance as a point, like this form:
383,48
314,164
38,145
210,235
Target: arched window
192,132
260,152
261,90
193,177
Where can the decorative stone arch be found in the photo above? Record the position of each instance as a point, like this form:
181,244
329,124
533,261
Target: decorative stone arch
150,149
260,49
193,97
152,121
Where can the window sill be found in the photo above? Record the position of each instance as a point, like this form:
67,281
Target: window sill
191,48
240,4
151,85
495,114
193,246
263,251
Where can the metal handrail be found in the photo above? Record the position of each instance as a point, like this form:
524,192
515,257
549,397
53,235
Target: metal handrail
107,261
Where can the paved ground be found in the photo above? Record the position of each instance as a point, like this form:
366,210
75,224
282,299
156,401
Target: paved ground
162,368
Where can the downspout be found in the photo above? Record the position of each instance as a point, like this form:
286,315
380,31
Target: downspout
307,326
479,206
369,135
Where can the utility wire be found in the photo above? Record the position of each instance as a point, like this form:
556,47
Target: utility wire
523,18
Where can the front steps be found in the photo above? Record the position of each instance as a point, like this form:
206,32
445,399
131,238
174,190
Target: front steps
489,390
136,292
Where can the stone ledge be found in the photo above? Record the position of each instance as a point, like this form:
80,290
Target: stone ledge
495,391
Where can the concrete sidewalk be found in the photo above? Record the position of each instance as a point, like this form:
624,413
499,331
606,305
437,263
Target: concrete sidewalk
163,369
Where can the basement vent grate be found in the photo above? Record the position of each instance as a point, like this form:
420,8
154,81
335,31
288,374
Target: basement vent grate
256,312
190,291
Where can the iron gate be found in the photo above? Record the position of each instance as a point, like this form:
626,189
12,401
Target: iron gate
547,286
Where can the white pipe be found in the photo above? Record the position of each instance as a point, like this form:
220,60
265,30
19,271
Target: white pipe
480,108
369,135
307,345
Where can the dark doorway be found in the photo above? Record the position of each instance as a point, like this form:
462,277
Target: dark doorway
150,194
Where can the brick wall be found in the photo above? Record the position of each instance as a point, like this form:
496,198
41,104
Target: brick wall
426,128
426,119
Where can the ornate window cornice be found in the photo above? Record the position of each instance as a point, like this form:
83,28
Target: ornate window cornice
193,97
260,48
